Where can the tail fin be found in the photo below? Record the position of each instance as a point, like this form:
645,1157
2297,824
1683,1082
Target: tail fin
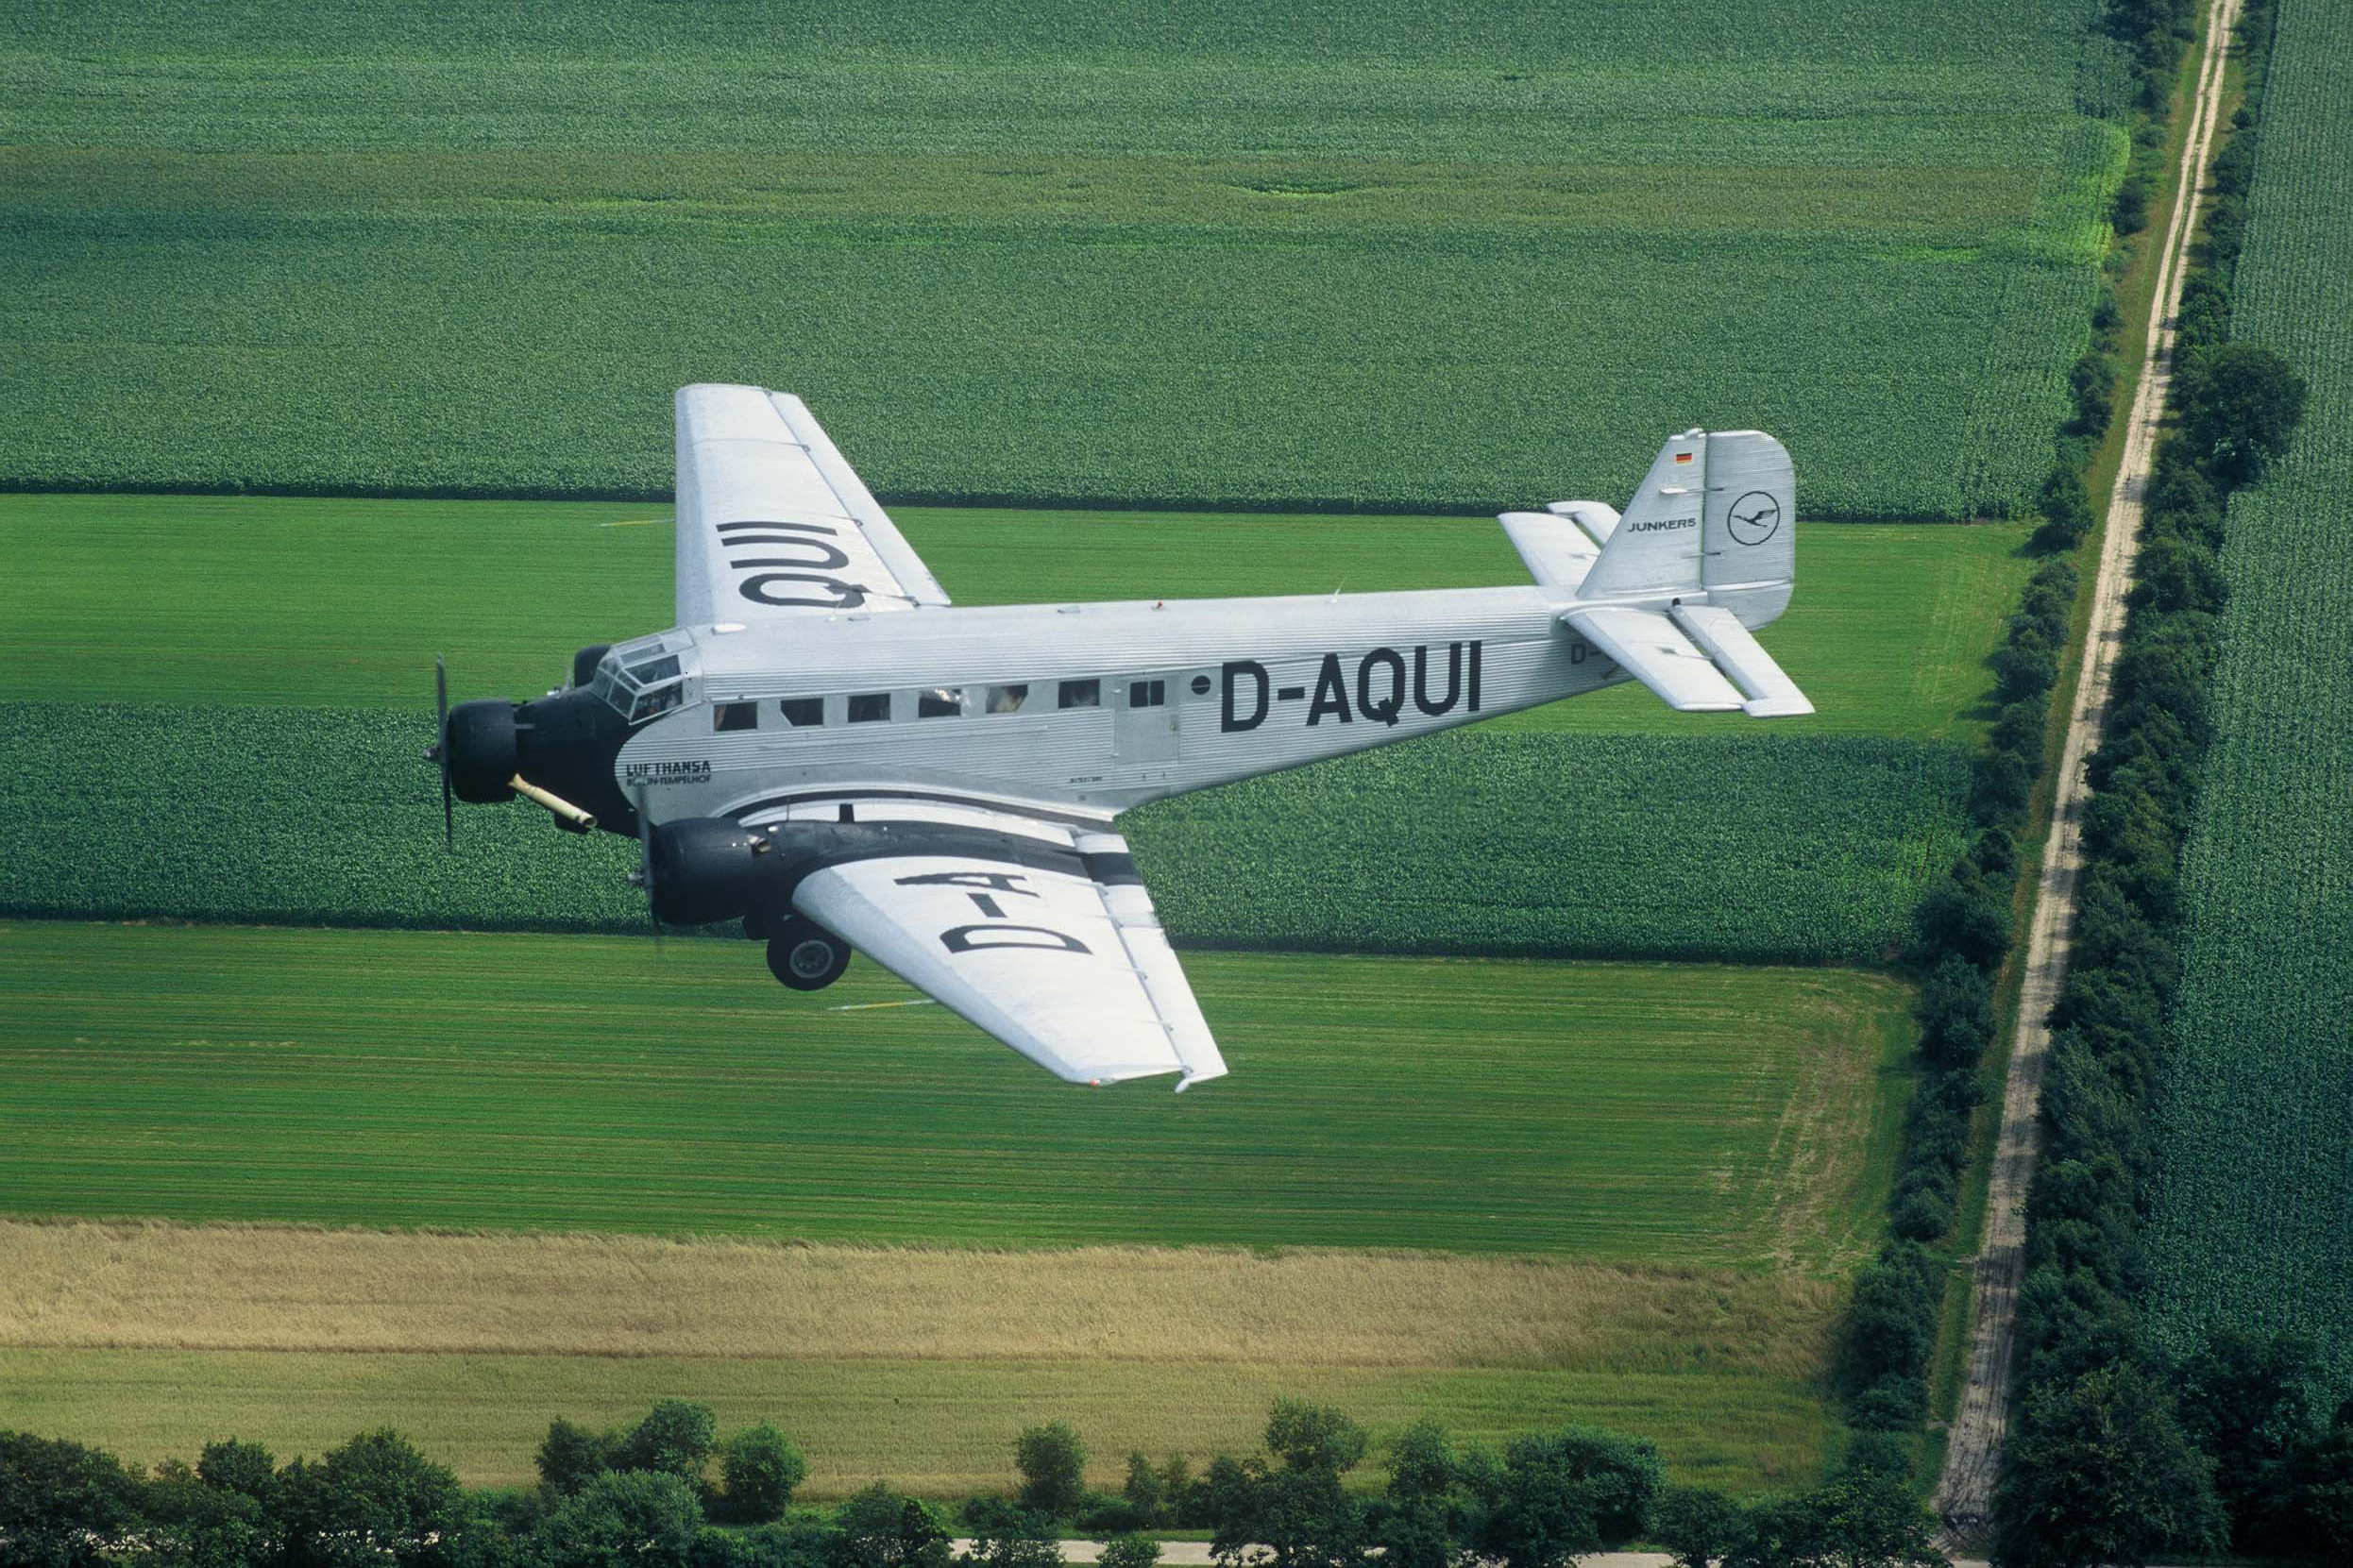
1715,516
1655,546
1716,511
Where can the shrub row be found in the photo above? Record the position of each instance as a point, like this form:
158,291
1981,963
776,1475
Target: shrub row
1962,928
643,1497
2117,1451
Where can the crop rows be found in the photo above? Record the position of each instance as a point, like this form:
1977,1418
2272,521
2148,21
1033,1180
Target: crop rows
1052,253
1755,847
2253,1220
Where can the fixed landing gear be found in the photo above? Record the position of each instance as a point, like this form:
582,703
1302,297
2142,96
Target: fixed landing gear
804,954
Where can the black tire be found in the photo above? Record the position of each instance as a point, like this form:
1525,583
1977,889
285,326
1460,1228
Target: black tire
805,956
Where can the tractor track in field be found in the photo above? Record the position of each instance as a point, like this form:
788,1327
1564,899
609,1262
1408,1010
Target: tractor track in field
1964,1494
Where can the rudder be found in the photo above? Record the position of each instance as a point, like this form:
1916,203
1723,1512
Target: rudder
1750,533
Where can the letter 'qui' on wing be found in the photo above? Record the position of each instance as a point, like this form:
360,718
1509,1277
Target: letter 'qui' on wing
772,521
1051,945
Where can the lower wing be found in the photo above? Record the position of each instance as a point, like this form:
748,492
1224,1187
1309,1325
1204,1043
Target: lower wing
1041,934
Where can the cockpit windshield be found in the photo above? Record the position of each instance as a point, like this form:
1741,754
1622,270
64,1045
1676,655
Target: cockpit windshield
647,677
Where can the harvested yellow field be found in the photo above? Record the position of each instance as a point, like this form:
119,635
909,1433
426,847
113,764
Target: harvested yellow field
920,1364
164,1287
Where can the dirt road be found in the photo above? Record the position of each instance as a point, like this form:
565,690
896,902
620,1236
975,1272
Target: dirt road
1965,1492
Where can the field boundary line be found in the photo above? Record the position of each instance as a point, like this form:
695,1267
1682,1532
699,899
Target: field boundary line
1964,1494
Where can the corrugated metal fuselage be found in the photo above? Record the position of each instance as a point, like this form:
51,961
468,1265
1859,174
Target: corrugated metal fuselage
1244,687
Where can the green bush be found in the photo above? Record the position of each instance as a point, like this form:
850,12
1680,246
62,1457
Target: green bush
760,1468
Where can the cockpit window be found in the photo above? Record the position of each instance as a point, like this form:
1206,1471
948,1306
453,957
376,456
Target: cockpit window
660,700
654,671
647,677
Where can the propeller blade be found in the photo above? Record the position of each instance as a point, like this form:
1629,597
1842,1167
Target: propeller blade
645,864
441,749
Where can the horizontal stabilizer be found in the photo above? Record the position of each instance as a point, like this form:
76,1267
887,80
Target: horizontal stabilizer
1772,694
1598,520
1557,549
1650,649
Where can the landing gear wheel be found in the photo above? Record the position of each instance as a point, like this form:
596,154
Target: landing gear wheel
805,956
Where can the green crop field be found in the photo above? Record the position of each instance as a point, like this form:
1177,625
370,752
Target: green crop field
1650,1114
1800,840
1287,256
1745,847
2253,1218
312,603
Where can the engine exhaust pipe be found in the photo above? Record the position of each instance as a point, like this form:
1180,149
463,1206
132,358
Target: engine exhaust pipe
571,815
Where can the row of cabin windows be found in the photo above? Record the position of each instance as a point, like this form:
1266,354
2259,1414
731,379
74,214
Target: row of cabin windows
803,712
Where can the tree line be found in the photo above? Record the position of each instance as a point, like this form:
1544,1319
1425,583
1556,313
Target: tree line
2118,1452
668,1493
2115,1454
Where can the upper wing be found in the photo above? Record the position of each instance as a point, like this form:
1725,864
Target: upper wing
772,521
1045,939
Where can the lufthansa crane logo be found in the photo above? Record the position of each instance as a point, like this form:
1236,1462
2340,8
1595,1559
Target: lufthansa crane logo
1754,518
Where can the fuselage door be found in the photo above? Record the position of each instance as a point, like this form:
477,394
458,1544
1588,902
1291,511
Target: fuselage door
1147,724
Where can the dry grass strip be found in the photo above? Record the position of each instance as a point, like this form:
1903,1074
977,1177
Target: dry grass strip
248,1287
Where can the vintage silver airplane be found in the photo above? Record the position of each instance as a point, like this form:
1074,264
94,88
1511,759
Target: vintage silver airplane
824,749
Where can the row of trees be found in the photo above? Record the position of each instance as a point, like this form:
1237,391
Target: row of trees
2155,32
2117,1452
646,1496
2234,409
605,1498
1962,925
1960,939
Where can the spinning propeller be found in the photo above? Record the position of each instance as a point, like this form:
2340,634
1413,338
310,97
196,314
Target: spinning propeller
440,752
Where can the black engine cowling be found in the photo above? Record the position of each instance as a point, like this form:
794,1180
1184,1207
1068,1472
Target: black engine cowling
482,752
708,869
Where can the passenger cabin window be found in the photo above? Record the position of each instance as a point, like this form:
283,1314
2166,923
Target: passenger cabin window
1081,693
1147,694
735,715
939,703
803,712
1008,700
870,707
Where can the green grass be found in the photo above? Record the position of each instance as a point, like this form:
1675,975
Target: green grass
326,602
2252,1211
1653,1114
943,1428
1059,252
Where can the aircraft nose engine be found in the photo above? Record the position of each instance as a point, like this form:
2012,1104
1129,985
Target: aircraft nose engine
706,870
479,740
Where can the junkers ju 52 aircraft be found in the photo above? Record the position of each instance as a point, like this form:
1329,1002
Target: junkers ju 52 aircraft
825,749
